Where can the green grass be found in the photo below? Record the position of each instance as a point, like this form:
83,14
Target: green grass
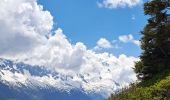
156,88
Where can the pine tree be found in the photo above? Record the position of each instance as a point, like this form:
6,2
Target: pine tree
155,41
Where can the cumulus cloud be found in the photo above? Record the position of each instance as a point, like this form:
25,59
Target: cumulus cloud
103,43
118,3
129,38
126,38
24,29
22,24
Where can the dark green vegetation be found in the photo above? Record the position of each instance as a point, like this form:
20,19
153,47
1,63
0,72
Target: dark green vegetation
153,69
155,41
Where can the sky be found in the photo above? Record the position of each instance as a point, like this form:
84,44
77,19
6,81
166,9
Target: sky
94,42
87,22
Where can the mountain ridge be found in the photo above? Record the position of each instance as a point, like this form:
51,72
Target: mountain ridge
33,89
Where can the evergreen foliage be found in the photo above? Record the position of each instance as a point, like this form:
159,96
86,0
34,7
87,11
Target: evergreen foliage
155,41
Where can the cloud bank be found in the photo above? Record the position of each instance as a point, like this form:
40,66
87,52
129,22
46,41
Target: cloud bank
26,37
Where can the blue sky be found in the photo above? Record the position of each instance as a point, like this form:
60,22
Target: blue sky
85,21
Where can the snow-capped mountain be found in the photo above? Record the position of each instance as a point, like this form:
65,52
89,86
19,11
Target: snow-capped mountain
21,81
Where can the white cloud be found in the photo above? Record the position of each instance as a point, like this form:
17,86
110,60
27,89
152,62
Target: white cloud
118,3
129,39
103,43
24,27
136,42
125,38
22,24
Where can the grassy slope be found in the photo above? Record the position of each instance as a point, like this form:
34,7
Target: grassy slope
157,88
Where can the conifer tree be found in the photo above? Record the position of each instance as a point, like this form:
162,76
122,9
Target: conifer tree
155,41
